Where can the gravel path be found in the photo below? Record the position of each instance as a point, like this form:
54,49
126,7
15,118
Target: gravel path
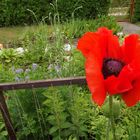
129,28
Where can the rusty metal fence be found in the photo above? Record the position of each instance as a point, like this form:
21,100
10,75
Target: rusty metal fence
30,85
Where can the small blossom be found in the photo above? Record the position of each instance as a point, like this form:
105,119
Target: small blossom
34,66
18,71
57,68
27,70
17,79
67,47
120,34
20,50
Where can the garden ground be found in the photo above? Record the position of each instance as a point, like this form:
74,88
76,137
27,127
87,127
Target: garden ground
129,28
12,33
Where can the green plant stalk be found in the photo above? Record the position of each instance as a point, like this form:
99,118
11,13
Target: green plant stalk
112,117
108,129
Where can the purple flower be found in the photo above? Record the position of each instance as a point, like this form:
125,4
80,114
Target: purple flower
18,71
34,66
17,79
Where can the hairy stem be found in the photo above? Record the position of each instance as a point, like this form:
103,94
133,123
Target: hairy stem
112,117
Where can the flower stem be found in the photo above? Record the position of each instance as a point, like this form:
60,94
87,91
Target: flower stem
108,129
112,117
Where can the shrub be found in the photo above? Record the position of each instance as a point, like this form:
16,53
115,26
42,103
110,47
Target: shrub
137,11
15,12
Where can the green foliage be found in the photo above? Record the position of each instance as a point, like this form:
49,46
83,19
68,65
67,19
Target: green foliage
14,12
59,113
9,55
25,12
136,16
44,47
3,132
58,116
77,28
119,3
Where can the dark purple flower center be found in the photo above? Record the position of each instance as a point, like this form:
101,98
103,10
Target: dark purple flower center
111,67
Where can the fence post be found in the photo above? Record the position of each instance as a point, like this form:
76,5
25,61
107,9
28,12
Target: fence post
6,117
132,4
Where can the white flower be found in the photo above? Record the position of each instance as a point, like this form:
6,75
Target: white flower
67,58
67,47
120,34
20,50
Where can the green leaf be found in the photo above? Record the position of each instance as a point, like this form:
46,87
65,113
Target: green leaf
53,130
66,125
3,133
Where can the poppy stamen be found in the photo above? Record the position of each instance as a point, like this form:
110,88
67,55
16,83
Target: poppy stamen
111,67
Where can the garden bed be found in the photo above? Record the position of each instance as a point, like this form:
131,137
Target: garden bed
58,113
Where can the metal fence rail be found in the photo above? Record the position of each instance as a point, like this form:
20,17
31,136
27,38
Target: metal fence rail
30,85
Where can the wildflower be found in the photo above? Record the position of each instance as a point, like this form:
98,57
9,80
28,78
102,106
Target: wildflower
27,70
17,79
20,50
110,67
67,47
18,71
57,68
120,34
34,66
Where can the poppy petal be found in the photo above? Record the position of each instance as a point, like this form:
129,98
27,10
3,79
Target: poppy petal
110,43
95,79
114,49
133,96
115,85
123,82
88,43
129,47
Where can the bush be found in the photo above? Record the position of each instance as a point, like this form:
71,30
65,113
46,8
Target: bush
14,12
137,11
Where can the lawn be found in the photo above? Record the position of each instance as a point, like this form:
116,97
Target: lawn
9,34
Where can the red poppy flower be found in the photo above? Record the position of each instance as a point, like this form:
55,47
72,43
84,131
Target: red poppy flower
111,68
